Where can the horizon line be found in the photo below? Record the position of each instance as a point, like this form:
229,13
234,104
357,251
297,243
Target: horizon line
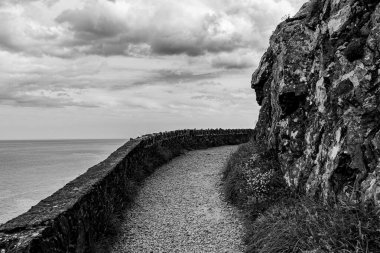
65,139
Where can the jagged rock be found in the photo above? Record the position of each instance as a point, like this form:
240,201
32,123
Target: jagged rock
318,85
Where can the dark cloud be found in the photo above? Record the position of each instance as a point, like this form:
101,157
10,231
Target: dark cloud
166,76
177,76
169,28
232,65
233,61
89,27
26,100
206,97
209,83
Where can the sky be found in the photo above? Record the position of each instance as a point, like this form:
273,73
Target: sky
79,69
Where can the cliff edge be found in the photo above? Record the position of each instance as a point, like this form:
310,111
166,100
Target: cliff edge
318,85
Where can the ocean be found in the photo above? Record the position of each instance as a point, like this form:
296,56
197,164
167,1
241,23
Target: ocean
32,170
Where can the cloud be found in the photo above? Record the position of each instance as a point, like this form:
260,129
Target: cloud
19,33
48,3
142,27
168,27
44,98
297,3
235,60
61,56
170,76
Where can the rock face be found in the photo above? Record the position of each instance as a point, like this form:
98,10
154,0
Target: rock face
319,88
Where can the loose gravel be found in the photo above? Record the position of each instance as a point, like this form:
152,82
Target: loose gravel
180,208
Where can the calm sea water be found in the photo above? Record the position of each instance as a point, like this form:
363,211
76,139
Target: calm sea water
32,170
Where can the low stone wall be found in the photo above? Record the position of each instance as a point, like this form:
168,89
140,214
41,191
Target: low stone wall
73,218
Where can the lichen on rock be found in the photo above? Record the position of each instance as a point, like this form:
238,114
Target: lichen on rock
319,90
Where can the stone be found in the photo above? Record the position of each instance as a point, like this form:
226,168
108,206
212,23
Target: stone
319,90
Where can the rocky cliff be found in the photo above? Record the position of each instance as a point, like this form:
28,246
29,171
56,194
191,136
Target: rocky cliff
319,90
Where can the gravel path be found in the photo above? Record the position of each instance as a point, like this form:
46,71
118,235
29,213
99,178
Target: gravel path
180,209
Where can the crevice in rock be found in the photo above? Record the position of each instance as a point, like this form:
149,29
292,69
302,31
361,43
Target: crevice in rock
290,102
318,143
343,175
368,158
355,49
343,132
326,14
316,7
288,20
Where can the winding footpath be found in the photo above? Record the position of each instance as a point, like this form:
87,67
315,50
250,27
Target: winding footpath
180,208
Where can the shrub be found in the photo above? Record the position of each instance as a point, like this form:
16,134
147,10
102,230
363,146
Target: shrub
302,225
233,176
253,179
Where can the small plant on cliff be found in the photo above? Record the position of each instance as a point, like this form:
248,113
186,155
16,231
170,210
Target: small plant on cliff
286,17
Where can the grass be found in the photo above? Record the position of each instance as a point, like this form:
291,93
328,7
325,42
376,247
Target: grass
282,221
305,225
233,177
113,223
112,229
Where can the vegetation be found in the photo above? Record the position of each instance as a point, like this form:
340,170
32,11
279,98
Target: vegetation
112,230
301,224
112,225
253,180
281,221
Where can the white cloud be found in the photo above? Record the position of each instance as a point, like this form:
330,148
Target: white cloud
124,27
19,33
13,2
170,64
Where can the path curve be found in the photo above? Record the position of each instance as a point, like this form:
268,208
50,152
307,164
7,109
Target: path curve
180,208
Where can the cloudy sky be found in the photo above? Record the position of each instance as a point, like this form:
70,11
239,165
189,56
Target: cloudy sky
122,68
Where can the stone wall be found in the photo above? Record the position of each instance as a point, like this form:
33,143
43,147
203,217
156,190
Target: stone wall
73,218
